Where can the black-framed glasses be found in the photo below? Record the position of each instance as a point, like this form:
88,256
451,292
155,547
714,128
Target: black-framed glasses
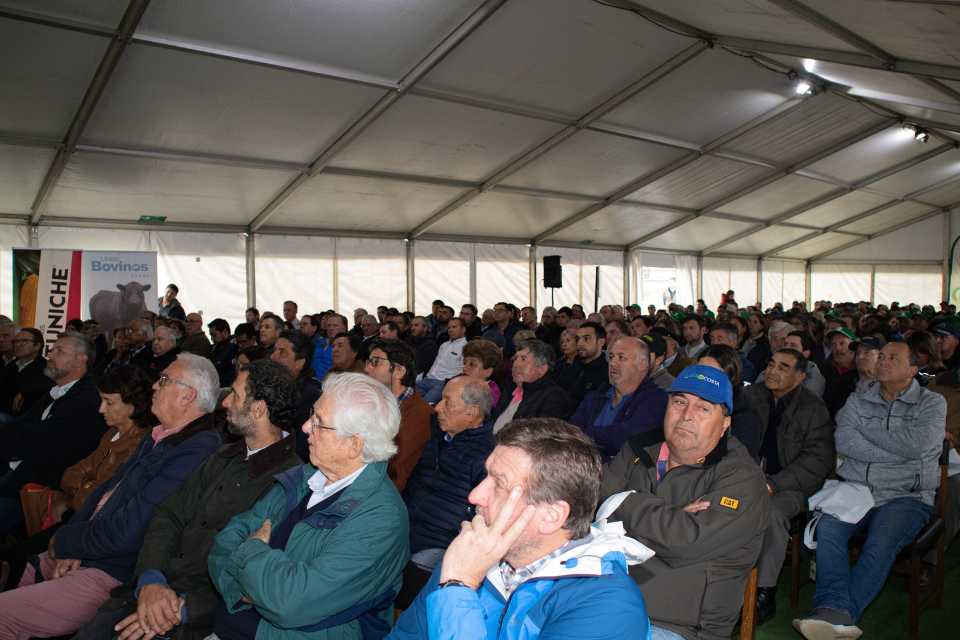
376,360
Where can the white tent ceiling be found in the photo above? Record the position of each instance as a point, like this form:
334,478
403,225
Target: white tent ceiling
619,123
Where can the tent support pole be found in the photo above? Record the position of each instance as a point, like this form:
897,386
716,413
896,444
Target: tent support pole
251,270
411,275
808,278
532,273
947,243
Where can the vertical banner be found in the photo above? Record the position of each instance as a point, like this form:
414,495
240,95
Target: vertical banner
58,292
953,282
120,286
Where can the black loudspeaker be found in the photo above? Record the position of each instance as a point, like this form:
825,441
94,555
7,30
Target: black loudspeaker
552,272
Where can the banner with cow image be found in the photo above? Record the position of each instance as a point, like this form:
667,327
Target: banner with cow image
53,286
118,286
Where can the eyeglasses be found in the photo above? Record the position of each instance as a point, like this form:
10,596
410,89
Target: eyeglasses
315,422
375,361
164,380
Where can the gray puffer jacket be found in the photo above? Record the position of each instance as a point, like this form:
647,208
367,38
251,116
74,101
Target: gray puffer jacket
893,447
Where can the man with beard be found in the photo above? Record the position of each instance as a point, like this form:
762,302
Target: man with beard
170,586
58,431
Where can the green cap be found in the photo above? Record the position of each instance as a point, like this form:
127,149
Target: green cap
845,331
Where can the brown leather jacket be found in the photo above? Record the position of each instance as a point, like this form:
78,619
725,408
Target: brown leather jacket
82,478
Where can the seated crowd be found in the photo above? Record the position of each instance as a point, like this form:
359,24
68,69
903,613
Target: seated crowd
603,475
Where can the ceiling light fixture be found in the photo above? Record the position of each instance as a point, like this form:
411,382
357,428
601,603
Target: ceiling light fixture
917,133
803,88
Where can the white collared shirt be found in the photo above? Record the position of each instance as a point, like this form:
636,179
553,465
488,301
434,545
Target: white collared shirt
449,361
323,490
56,393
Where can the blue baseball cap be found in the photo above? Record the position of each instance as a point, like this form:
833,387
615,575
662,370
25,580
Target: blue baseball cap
711,384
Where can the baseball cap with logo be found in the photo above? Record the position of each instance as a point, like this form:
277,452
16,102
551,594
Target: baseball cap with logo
844,331
706,382
656,343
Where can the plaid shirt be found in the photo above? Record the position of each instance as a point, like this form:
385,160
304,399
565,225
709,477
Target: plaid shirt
407,393
513,578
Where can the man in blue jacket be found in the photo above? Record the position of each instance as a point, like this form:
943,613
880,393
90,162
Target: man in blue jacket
529,563
97,549
632,405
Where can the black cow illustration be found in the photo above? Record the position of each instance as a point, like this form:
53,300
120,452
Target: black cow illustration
114,309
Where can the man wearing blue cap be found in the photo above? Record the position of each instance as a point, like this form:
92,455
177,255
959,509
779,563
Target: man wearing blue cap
700,502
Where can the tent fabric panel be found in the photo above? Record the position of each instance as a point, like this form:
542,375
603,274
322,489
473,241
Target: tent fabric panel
569,293
53,237
113,187
503,274
45,75
908,30
171,100
815,246
21,173
887,218
363,40
594,163
507,215
840,209
783,281
778,197
618,224
722,274
298,268
501,61
765,240
12,236
819,121
877,153
748,19
346,202
371,272
101,13
840,282
933,171
714,93
423,136
660,279
904,283
697,234
209,268
945,195
441,271
699,183
610,288
920,241
937,113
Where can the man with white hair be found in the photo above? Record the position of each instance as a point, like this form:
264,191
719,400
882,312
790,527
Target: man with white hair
165,349
322,553
96,550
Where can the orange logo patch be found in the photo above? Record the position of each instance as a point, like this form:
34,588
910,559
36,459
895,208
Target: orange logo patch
730,503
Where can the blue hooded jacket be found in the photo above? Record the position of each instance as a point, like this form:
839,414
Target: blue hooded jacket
583,593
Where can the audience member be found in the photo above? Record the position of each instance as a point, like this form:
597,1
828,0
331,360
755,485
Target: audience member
504,326
700,502
867,355
451,465
169,587
448,363
269,332
535,394
140,338
949,335
165,349
591,365
727,334
890,437
693,328
423,344
631,406
245,335
615,329
23,380
252,317
58,431
393,364
170,307
745,422
840,370
290,313
658,351
468,313
224,351
195,341
294,351
529,556
346,354
333,325
480,359
566,370
7,332
96,550
796,453
350,551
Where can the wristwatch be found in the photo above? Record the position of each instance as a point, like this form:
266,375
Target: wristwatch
455,583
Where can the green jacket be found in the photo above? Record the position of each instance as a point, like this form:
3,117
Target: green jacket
351,552
183,527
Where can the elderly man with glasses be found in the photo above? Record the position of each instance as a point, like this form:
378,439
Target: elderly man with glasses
96,551
321,555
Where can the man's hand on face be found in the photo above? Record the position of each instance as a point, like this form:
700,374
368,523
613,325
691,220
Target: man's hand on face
479,546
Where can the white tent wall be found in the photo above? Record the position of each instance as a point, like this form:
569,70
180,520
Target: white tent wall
579,277
569,293
298,268
920,241
655,276
840,282
441,272
722,274
905,283
503,274
209,269
370,272
11,237
782,281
